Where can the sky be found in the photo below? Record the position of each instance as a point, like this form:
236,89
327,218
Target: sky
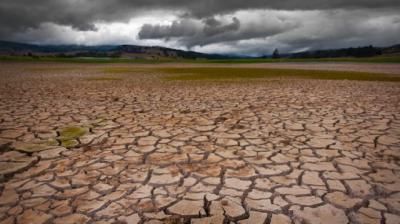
240,27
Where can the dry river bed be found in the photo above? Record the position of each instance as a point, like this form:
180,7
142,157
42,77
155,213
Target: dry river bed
138,149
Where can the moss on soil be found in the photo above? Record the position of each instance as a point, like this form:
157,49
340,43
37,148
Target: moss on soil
229,73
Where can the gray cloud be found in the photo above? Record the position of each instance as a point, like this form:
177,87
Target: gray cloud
214,27
237,26
176,29
190,32
319,30
16,15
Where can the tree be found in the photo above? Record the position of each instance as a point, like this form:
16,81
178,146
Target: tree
276,54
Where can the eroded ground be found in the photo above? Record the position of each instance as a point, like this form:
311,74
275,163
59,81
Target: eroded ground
79,146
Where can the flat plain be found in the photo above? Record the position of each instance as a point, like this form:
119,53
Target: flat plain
199,143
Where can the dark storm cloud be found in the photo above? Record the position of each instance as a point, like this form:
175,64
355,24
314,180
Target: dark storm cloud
213,26
187,28
16,15
176,29
190,32
250,27
322,30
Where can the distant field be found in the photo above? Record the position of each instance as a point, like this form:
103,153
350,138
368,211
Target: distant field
181,71
81,60
226,73
380,59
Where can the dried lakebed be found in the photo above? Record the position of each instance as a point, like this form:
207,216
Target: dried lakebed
78,146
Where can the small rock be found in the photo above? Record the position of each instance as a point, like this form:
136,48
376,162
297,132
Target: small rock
326,214
342,200
187,208
31,216
72,219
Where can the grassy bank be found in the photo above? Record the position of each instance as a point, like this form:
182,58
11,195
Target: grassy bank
219,73
81,60
379,59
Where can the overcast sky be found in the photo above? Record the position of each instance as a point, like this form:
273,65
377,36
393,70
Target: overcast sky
251,27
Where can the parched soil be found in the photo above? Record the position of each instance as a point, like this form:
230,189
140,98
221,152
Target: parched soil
80,145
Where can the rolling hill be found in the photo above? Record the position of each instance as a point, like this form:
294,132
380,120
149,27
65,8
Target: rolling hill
8,48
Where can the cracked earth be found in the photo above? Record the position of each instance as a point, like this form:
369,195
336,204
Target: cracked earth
143,150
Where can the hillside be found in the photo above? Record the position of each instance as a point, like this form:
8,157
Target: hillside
124,51
155,52
367,51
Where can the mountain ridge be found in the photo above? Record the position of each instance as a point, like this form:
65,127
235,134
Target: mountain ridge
9,48
124,50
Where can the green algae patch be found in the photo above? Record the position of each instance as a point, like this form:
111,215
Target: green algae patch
52,142
69,143
69,135
72,132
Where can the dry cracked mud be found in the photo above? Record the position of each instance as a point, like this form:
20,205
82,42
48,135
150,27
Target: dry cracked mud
137,149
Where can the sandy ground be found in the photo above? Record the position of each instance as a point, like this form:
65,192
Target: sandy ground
143,150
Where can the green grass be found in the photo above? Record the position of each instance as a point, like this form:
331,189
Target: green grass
220,73
104,79
83,60
123,70
378,59
51,69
